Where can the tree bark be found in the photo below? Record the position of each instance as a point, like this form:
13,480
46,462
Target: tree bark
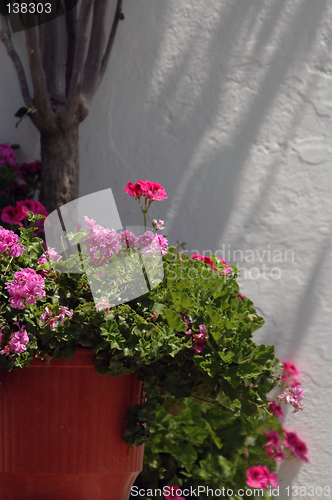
61,102
60,167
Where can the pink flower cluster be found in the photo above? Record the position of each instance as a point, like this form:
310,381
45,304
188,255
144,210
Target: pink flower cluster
260,477
27,285
276,409
104,243
51,319
14,215
293,396
18,341
290,374
199,339
103,305
151,190
7,155
210,262
26,170
8,241
158,225
273,446
297,447
50,254
151,243
291,441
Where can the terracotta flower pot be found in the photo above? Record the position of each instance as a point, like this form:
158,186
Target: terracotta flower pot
61,428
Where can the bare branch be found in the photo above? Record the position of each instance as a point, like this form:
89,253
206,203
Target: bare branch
48,43
111,38
5,37
43,104
75,86
94,58
71,19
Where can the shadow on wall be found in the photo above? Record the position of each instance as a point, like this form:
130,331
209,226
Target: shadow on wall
214,163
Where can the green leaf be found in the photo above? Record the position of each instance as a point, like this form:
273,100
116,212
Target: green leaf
177,386
187,301
175,321
174,406
21,112
159,308
227,402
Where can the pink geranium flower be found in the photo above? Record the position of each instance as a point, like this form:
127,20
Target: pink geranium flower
27,285
199,339
151,190
297,447
293,396
18,341
7,155
276,409
51,319
273,446
12,215
155,191
209,261
152,243
27,170
8,241
158,225
290,374
260,477
129,238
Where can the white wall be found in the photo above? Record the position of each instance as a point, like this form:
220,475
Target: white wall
227,104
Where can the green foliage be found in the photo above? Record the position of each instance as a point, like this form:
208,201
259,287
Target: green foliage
205,446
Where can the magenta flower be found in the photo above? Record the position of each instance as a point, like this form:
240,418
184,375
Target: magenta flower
297,447
7,155
276,409
18,341
199,339
209,261
260,477
154,191
51,319
273,446
290,374
27,285
151,190
8,241
12,215
239,296
27,170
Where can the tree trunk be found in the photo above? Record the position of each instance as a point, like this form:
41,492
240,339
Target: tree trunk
60,167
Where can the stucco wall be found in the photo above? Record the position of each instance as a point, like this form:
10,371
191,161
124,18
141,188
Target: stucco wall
227,104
